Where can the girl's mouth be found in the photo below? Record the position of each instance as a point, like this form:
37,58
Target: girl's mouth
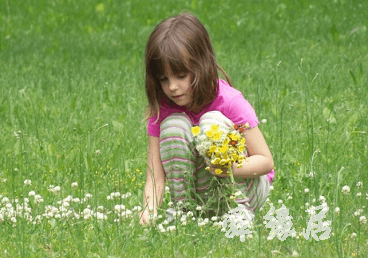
177,97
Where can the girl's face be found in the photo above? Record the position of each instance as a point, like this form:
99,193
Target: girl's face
178,88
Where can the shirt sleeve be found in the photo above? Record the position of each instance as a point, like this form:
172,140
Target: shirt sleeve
241,111
152,127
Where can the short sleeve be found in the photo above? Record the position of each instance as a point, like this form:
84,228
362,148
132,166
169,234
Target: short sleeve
152,127
241,111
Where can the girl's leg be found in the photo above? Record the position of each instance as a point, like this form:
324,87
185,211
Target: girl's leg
178,155
256,190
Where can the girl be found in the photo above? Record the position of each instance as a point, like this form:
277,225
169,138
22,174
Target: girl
183,90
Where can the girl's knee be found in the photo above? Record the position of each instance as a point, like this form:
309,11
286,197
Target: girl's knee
176,124
215,117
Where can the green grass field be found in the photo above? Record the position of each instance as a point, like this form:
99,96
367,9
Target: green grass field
72,100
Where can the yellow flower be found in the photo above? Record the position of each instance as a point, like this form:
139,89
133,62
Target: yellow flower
217,136
233,137
223,162
235,156
215,161
196,130
214,128
242,141
240,148
224,148
226,141
218,171
137,170
212,148
209,134
247,125
208,168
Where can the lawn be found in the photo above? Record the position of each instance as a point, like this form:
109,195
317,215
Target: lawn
74,143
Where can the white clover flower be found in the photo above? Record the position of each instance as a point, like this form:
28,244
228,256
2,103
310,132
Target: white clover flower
27,182
199,208
359,184
118,208
98,152
359,194
5,200
337,210
170,204
137,208
126,214
214,218
263,121
306,204
279,201
306,190
345,190
75,185
57,189
353,235
76,199
362,220
322,198
88,196
100,216
179,204
272,187
171,228
127,195
32,193
13,219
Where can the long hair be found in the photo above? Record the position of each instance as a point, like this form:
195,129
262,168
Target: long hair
181,43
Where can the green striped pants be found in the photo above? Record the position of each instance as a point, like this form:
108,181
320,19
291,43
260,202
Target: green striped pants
185,168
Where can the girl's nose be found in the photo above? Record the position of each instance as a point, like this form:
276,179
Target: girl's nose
173,85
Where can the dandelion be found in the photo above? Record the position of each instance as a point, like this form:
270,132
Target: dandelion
345,190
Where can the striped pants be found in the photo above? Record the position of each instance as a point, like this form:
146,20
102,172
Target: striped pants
185,168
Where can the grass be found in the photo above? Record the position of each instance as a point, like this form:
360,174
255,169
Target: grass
68,68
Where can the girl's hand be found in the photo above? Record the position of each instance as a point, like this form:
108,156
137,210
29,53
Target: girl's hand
213,169
144,215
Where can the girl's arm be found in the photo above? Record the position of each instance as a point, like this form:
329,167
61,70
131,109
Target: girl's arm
155,181
260,158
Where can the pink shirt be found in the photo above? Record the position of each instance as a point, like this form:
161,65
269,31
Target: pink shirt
229,101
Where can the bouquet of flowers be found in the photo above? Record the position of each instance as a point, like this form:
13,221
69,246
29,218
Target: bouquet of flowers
222,149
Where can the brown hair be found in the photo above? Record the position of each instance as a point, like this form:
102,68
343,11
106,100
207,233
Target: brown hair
182,43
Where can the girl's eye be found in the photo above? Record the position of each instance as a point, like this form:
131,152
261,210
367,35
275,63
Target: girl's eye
182,76
162,79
